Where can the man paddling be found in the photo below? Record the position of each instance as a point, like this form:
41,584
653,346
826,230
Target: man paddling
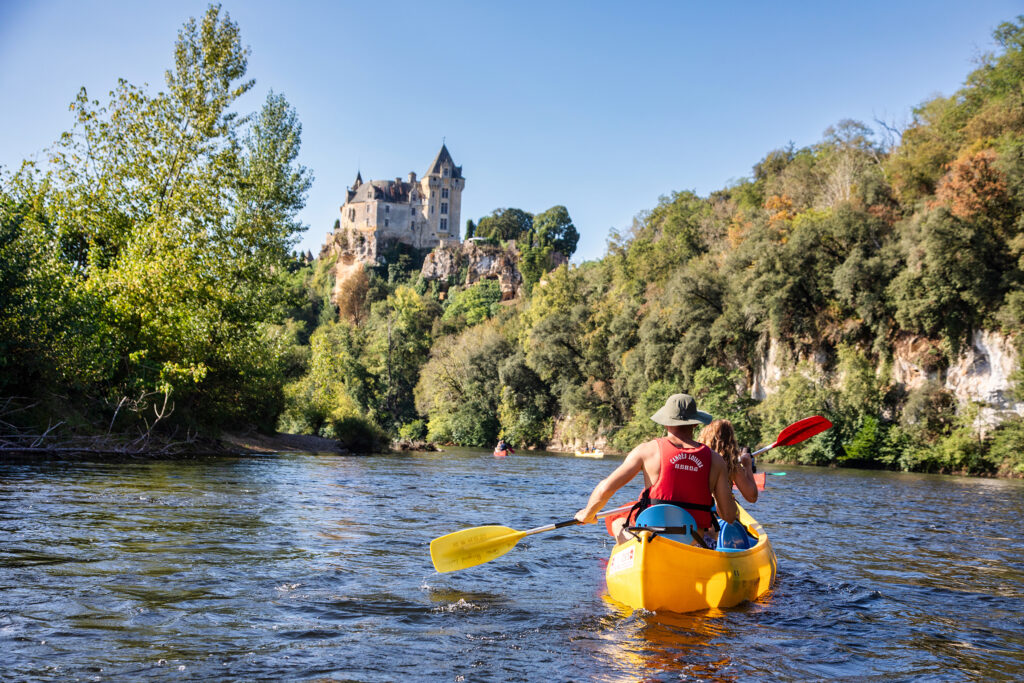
677,470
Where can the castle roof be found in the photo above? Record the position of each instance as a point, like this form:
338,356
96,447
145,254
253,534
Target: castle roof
386,190
442,157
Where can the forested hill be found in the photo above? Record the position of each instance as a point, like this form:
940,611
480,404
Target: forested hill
831,256
146,273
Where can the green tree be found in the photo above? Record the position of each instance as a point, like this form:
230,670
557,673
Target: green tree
175,216
554,227
331,398
473,305
505,224
459,386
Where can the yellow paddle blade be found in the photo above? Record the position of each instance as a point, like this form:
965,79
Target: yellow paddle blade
470,547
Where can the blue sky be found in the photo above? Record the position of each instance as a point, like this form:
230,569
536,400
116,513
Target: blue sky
600,106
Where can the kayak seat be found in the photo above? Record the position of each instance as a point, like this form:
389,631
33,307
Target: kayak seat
669,521
733,537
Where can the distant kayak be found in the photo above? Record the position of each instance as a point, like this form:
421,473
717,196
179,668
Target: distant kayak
503,453
590,454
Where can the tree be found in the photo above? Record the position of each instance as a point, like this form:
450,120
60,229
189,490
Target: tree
473,305
554,227
458,388
174,215
505,224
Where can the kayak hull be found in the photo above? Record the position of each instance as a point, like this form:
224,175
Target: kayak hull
500,454
654,573
589,454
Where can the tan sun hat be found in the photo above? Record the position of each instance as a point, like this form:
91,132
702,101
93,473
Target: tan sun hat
679,410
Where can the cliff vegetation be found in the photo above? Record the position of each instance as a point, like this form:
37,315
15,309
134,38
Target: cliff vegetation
873,277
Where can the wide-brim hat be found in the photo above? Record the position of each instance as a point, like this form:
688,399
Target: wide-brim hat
680,410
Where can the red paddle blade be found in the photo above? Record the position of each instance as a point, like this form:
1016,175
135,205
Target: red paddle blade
802,430
611,518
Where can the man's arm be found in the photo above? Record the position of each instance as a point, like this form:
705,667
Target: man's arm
607,487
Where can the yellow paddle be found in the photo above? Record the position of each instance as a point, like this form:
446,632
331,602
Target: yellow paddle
470,547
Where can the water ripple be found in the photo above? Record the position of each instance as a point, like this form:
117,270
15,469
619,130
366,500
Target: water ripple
300,568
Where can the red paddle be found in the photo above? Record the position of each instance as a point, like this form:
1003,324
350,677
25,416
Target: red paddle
797,432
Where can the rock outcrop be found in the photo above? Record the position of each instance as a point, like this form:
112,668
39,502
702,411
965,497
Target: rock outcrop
482,262
358,245
980,373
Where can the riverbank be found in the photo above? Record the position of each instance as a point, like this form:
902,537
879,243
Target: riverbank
255,442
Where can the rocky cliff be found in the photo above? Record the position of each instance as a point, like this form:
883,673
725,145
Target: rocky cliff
481,262
981,372
351,250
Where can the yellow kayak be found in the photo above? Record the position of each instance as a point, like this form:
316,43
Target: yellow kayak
658,574
590,454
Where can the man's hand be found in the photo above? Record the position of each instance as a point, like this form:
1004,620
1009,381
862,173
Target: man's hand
582,517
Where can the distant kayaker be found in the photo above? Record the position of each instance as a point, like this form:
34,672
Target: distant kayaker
677,469
721,437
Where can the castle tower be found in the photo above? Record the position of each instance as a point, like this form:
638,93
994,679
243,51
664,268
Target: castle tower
442,190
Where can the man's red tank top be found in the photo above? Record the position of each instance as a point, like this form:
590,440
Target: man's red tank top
684,478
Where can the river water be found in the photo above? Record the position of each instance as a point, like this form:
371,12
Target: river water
304,567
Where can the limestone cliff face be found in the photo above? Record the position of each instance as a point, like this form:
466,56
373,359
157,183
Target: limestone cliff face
352,246
482,262
981,372
351,250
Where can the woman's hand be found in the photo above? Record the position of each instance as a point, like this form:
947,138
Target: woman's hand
746,460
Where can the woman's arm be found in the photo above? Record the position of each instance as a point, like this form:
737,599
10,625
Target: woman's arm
744,476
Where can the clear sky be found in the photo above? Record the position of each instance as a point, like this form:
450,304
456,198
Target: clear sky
600,106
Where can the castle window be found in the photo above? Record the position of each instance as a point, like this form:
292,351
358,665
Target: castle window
386,222
444,207
444,225
444,193
445,172
387,208
412,211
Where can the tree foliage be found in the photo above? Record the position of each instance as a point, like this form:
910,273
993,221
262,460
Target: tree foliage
165,221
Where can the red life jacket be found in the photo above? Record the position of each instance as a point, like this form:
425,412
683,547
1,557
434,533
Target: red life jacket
684,480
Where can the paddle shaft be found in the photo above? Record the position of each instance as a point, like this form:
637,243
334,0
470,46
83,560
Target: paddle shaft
573,522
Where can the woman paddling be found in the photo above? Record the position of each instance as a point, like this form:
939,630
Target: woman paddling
721,437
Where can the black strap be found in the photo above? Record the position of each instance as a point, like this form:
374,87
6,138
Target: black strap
646,501
681,530
682,504
688,507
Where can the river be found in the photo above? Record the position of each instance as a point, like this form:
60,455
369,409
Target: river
305,567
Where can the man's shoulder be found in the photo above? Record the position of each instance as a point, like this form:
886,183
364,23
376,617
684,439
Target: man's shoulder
646,447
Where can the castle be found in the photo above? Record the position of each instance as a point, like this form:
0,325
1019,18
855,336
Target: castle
421,213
